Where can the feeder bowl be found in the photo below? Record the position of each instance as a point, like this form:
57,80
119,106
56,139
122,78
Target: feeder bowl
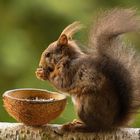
34,107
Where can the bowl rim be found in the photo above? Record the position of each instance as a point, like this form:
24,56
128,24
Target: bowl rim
6,94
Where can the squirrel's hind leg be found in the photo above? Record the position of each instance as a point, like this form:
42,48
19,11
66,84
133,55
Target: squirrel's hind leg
74,126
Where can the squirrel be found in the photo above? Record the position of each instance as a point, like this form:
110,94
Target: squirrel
104,81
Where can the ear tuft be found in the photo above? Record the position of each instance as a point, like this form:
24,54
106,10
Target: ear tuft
71,29
63,40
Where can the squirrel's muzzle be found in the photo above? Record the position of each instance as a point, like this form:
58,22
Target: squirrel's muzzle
43,73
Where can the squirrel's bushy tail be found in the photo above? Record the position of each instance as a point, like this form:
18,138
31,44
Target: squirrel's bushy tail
105,41
112,23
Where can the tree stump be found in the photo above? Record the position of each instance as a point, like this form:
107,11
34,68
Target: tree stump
18,131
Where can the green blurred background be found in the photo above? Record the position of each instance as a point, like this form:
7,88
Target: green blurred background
26,29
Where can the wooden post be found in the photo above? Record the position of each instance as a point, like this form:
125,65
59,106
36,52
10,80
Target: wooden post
18,131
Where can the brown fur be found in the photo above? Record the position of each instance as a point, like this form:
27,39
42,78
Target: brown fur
104,83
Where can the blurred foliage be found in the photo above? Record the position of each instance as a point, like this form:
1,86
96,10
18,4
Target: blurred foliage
26,29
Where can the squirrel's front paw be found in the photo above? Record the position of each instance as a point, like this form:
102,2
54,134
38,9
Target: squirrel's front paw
41,74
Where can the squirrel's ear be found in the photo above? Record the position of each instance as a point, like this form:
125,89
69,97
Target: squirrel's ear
63,40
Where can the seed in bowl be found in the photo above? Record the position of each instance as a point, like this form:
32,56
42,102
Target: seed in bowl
40,99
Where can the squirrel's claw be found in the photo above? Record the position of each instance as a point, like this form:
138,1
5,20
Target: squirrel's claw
58,130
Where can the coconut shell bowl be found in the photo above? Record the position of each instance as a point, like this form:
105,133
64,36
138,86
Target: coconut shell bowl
34,107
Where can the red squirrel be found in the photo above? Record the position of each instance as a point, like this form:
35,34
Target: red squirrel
104,81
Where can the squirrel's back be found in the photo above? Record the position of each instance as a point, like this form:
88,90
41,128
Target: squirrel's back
117,61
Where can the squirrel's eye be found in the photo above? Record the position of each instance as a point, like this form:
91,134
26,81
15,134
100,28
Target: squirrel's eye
47,54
